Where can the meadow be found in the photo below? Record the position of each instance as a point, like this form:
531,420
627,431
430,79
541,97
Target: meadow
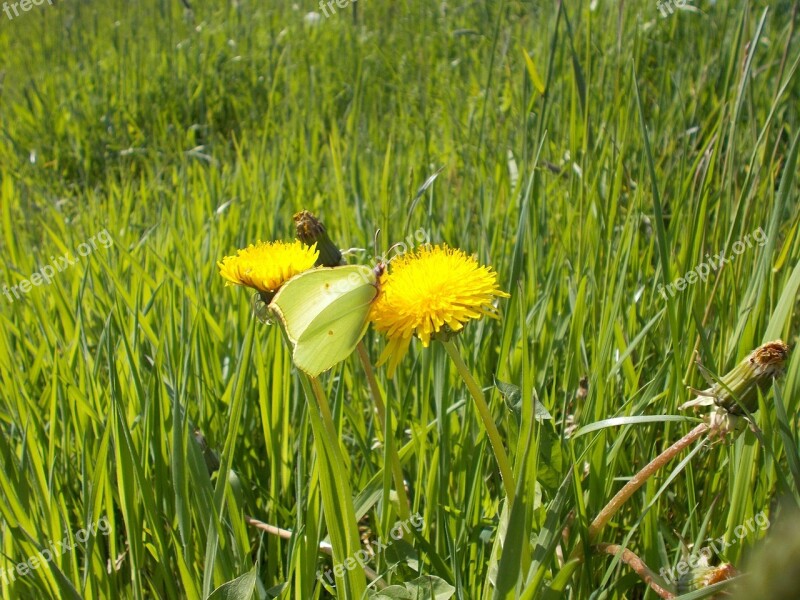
627,171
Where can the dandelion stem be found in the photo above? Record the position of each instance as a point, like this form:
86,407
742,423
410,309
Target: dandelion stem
622,496
486,416
638,565
388,439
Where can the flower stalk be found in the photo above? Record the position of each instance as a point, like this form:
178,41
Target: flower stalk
638,480
736,389
387,423
736,393
486,417
639,567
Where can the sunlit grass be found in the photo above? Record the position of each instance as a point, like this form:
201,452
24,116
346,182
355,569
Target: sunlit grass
625,150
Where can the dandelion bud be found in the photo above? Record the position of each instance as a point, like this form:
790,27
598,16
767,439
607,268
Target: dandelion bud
310,230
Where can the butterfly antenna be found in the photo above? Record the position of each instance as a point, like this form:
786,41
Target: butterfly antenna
375,240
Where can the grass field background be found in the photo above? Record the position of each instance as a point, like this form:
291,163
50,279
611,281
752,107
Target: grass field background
590,154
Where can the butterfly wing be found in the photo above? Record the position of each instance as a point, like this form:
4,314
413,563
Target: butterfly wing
336,331
324,312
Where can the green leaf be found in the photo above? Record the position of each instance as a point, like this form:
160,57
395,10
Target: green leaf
617,421
533,73
393,591
241,588
549,460
512,396
427,587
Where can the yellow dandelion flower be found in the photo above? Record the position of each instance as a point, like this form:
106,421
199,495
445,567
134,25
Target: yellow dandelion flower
431,290
265,266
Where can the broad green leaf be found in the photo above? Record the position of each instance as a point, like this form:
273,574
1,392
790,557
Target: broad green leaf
241,588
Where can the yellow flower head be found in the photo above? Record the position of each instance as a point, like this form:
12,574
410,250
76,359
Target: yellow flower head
431,290
265,266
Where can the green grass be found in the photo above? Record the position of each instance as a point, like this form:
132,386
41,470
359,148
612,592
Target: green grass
625,151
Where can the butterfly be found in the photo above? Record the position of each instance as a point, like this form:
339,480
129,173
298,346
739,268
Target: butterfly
325,313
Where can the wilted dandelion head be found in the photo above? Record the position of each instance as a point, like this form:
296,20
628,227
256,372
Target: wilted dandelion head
768,360
704,575
432,290
265,266
738,388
